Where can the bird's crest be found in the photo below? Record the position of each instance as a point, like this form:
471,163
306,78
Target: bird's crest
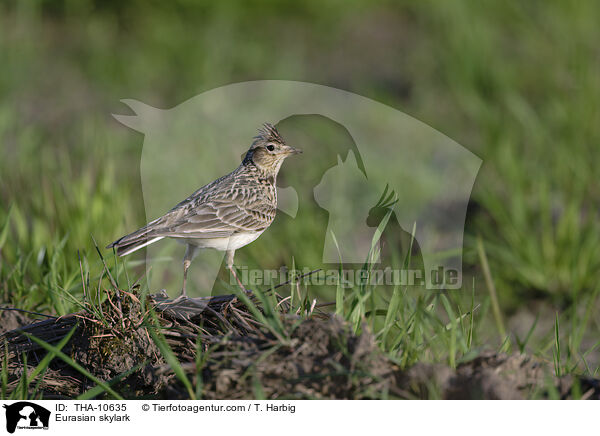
268,133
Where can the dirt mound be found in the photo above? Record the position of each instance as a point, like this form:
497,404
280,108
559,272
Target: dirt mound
227,351
493,376
108,343
321,359
11,320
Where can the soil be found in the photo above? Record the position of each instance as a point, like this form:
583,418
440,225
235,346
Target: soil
11,319
239,358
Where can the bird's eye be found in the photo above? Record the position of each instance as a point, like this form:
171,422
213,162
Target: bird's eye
270,147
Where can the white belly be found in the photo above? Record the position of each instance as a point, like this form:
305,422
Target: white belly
224,244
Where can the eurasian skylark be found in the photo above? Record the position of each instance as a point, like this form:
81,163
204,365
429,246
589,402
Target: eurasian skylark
226,214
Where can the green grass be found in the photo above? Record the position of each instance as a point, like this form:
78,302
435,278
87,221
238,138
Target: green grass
517,84
426,327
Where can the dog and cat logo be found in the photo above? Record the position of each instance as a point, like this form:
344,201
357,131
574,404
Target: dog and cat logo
26,415
375,146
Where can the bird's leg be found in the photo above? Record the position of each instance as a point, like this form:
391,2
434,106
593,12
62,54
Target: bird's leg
229,262
190,251
186,265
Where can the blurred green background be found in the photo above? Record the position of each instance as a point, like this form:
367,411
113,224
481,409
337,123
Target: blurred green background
516,83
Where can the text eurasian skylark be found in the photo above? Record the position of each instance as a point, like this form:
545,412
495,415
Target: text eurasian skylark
226,214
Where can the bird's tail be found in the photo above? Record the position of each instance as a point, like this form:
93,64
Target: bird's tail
133,242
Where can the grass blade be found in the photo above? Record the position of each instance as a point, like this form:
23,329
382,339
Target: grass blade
167,353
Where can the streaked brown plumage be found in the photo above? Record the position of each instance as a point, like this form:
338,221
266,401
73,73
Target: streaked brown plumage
226,214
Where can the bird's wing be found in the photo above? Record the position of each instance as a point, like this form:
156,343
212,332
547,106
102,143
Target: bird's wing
214,217
217,210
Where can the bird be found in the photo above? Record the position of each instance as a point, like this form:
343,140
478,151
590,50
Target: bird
226,214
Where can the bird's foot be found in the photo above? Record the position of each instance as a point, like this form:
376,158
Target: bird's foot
182,297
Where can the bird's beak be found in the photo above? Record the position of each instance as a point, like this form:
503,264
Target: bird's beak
293,150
